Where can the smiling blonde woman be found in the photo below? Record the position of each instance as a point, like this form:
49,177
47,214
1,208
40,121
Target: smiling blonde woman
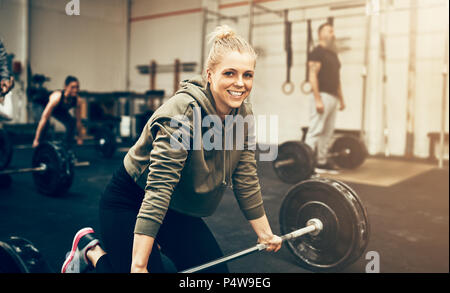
156,200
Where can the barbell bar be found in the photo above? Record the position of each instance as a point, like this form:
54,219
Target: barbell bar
41,168
313,226
291,161
52,168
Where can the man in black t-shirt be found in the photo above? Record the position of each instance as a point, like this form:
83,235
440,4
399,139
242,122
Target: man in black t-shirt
326,95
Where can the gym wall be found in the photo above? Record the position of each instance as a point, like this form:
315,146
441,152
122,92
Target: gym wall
90,46
163,38
163,30
160,38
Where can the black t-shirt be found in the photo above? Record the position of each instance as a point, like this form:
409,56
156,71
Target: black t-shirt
329,77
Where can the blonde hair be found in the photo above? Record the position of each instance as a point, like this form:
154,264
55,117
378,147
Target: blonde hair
224,40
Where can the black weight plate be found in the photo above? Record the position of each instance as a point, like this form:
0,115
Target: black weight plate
18,255
357,155
106,142
303,166
340,241
6,149
364,224
58,177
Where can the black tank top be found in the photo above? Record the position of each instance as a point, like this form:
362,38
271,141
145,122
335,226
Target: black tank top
66,103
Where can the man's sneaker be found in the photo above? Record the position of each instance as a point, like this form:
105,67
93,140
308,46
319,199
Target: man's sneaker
76,261
327,168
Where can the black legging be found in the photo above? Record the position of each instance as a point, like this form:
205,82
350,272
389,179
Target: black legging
185,240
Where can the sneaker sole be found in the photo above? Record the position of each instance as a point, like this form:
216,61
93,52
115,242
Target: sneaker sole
75,242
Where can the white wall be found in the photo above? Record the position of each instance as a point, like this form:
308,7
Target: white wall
163,40
90,46
13,28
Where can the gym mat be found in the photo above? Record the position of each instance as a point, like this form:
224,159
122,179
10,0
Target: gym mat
382,172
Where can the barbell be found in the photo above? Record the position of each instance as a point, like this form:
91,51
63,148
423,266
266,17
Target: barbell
324,223
296,160
52,168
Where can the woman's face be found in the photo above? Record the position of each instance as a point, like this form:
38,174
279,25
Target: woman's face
231,81
72,89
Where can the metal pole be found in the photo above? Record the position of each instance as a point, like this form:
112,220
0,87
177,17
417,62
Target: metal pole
444,104
383,56
365,73
203,38
128,46
41,168
250,21
411,98
313,225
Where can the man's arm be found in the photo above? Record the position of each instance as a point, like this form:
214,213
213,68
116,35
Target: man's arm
53,101
314,68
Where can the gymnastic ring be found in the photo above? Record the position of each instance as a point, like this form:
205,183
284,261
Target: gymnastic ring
306,87
288,87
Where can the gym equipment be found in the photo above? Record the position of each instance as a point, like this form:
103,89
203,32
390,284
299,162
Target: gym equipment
18,255
52,168
334,225
288,86
345,233
348,152
324,223
296,160
104,141
306,85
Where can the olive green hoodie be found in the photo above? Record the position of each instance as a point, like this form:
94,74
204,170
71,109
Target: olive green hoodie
190,180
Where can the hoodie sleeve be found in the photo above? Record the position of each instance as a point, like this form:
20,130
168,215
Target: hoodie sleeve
166,163
246,186
4,72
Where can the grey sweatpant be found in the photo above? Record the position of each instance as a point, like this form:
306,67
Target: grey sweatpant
321,126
